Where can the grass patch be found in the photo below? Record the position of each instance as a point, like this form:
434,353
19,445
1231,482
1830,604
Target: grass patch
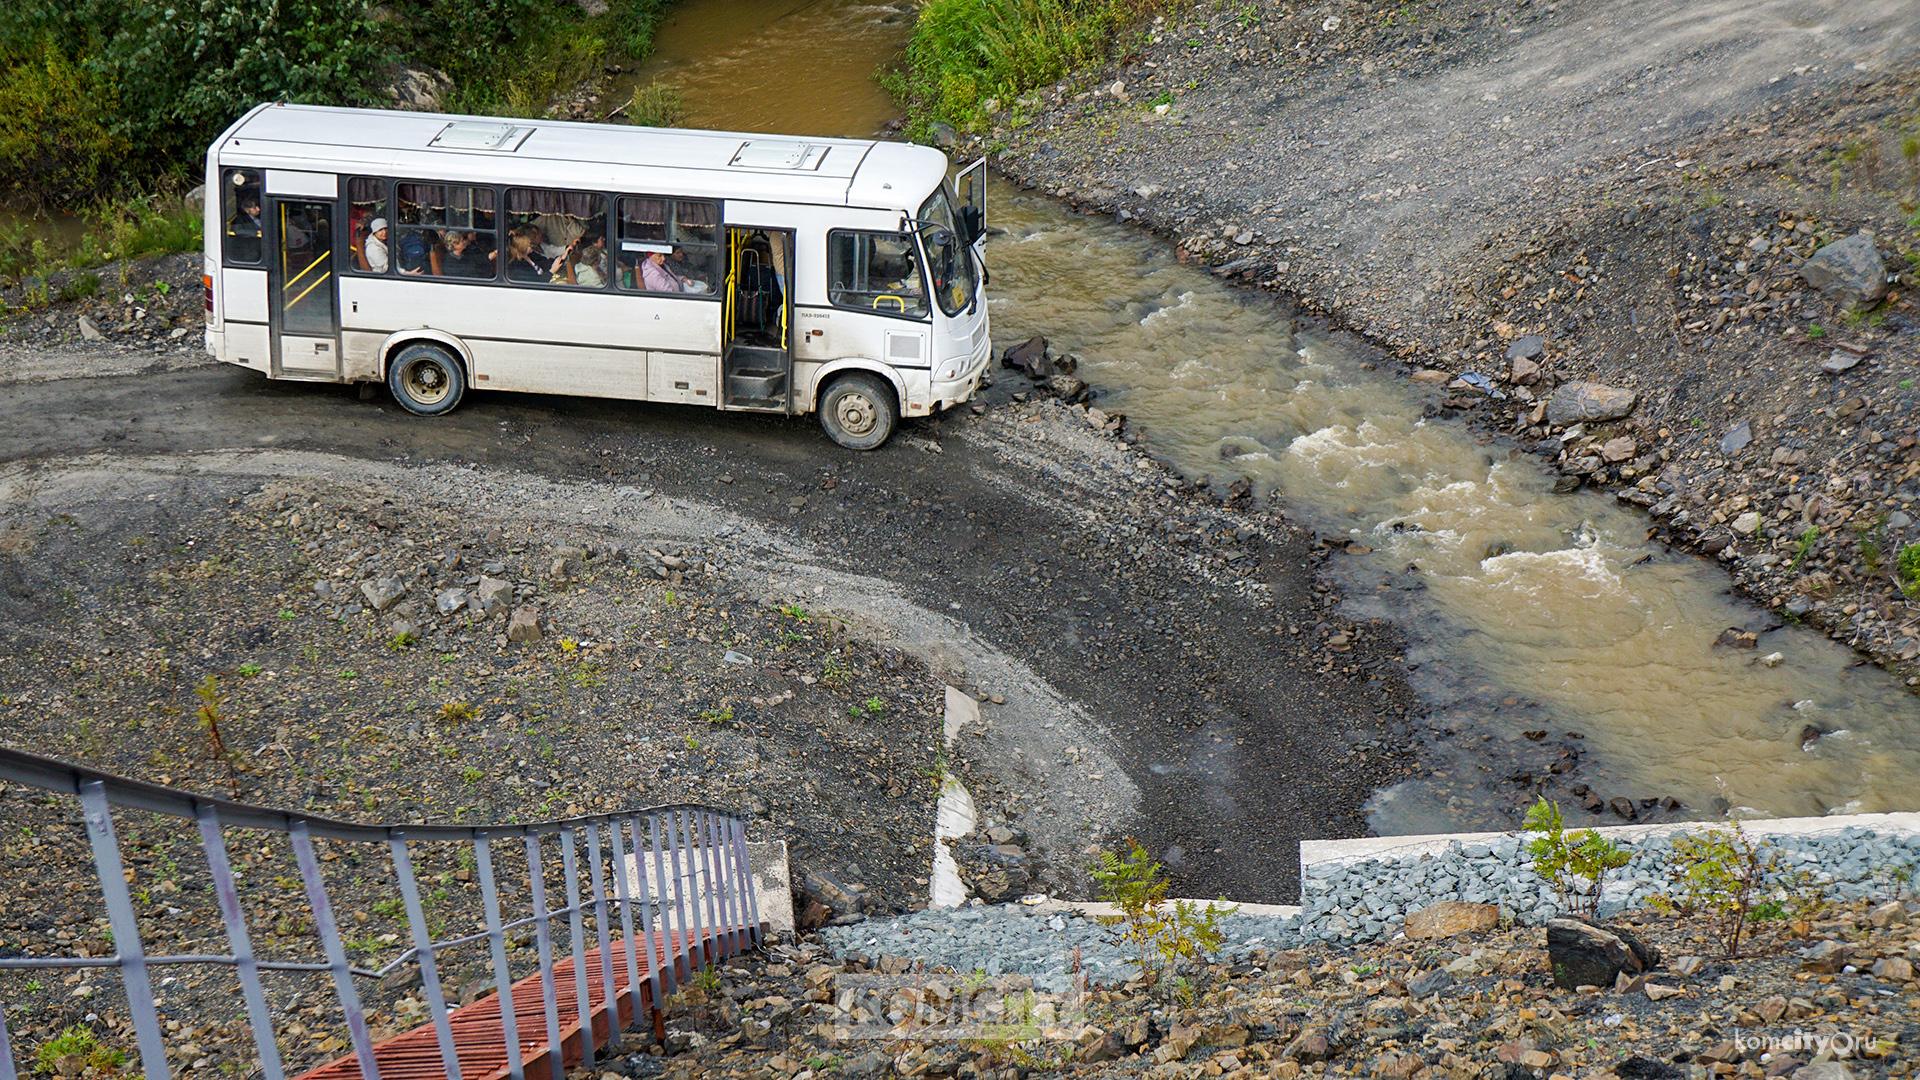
966,53
554,50
656,104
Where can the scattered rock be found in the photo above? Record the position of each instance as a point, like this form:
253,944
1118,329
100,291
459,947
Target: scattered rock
1583,954
1839,362
494,593
1619,449
524,627
1450,917
1589,402
382,593
89,329
450,601
1738,439
419,89
1849,270
1528,347
1029,358
1747,524
1523,372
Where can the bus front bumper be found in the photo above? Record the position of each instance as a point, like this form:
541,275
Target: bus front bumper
948,393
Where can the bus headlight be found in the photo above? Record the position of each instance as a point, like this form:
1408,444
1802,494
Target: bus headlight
950,370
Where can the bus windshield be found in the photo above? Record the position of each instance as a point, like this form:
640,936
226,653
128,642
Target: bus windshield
949,263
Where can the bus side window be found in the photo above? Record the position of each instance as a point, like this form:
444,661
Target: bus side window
669,245
369,232
874,271
240,210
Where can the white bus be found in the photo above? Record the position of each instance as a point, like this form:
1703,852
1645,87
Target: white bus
441,253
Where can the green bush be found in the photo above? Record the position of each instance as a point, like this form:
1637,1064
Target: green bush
964,53
1576,863
55,138
1906,568
1166,932
658,104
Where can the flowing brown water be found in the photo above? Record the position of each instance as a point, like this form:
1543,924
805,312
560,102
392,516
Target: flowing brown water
799,67
1526,610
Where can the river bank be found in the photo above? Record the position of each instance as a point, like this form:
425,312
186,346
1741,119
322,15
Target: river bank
1480,192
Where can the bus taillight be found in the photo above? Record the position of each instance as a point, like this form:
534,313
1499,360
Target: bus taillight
206,289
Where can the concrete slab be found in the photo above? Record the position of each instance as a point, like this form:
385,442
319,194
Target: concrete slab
772,884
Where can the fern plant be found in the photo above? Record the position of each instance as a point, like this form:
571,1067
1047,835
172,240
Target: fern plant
1166,933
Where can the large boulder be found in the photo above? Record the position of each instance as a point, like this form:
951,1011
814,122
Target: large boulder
1850,270
1582,954
1589,402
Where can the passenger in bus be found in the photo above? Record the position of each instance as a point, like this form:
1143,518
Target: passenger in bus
245,228
524,261
586,263
463,256
685,269
374,250
416,251
657,276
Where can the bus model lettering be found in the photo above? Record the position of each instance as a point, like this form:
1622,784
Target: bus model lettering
435,253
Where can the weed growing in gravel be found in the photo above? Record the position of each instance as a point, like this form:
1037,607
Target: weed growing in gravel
248,670
1575,863
719,716
1166,933
794,612
402,641
1735,882
472,775
211,716
835,674
74,1051
1906,570
1804,547
457,712
1815,331
1871,537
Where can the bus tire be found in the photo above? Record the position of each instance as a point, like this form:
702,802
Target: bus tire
858,410
426,379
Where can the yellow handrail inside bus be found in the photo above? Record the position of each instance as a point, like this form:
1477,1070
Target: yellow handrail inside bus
899,302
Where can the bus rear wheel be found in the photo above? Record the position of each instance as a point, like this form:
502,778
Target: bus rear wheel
426,379
858,411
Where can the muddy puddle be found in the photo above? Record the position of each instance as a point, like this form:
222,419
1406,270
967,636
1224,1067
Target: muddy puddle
1544,629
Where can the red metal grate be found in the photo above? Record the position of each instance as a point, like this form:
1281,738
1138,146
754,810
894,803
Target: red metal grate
480,1041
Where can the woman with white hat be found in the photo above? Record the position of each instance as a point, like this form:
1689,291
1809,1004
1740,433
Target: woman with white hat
375,249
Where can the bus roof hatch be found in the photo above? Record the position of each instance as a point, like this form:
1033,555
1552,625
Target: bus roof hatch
778,154
479,135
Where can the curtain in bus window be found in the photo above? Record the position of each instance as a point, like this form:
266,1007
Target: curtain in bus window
369,232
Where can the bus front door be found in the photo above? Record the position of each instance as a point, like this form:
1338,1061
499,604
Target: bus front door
304,312
757,353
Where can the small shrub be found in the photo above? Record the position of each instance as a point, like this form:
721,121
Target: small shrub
458,712
1576,863
73,1051
1165,933
718,717
657,104
210,716
835,674
1906,570
1735,883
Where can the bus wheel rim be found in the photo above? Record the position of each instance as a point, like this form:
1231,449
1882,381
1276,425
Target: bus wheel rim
855,414
427,382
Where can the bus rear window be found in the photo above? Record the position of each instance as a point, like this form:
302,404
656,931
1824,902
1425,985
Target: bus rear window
240,210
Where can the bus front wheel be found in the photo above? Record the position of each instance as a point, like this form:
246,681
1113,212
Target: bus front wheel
426,379
858,411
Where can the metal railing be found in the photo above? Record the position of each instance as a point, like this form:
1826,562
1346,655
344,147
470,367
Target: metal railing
679,872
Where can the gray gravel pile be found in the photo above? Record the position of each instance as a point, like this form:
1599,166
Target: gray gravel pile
1015,940
1368,900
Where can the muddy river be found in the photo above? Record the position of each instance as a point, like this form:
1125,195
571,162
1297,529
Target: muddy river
1542,627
